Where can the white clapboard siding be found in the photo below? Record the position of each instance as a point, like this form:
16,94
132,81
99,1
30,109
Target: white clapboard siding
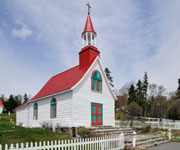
22,117
99,143
64,112
83,96
1,109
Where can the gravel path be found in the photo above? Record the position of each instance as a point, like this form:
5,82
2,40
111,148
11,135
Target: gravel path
168,146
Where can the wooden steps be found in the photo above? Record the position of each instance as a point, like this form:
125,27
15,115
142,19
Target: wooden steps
107,130
142,140
146,140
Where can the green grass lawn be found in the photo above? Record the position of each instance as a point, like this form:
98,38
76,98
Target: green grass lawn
15,134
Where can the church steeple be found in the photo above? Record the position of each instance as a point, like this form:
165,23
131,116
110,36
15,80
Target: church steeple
88,26
89,34
89,51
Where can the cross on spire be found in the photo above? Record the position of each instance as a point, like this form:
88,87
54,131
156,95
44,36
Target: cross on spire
88,8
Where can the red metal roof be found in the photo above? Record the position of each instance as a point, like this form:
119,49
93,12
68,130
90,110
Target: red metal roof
89,25
1,104
61,82
20,106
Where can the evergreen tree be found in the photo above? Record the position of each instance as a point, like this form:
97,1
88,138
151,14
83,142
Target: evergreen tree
109,77
144,92
18,99
145,86
25,98
132,94
178,84
11,104
178,91
3,99
139,93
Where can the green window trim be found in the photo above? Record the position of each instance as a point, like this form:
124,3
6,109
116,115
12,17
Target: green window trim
99,110
94,110
96,81
53,108
94,118
94,84
35,115
99,119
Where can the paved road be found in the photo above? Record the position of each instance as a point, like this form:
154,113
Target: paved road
168,146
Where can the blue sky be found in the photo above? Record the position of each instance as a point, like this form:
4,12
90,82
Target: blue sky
41,38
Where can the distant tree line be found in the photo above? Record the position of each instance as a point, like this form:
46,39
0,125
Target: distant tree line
144,99
13,101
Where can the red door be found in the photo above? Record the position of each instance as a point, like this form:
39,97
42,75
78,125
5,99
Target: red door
96,114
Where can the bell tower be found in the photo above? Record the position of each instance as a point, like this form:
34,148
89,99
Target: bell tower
89,51
88,35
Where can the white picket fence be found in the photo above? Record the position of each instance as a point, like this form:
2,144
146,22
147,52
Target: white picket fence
112,142
164,124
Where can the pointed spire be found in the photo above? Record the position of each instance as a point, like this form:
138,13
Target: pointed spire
89,26
88,35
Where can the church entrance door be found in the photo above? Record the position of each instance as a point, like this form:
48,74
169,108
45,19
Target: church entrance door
96,114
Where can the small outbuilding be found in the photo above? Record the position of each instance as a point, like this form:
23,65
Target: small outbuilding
1,107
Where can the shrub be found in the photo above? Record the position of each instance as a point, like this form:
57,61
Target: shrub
147,129
84,131
46,125
174,111
134,109
20,124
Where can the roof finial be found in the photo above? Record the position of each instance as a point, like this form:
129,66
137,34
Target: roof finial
88,8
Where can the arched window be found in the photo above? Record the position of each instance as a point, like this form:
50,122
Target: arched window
96,81
35,111
53,108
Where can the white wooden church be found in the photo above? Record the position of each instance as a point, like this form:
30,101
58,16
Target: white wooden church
80,96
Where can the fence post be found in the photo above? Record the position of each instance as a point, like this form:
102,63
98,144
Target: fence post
169,134
121,139
134,139
102,143
0,147
11,147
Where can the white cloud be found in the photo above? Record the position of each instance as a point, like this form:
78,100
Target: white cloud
15,74
23,32
132,37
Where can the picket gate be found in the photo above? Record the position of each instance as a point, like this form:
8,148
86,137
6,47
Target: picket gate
111,142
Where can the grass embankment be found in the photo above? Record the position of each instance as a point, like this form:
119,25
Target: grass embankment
176,133
119,115
10,133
